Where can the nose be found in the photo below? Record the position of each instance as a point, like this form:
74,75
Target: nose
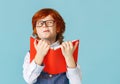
44,25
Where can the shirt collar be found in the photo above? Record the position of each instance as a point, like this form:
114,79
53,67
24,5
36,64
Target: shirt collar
57,43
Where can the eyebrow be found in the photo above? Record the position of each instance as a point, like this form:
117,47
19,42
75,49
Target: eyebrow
45,20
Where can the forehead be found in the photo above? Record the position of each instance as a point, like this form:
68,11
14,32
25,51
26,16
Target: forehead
49,17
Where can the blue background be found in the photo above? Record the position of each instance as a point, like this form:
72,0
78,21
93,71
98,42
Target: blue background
95,22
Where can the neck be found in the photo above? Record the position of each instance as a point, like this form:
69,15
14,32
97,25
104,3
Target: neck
50,41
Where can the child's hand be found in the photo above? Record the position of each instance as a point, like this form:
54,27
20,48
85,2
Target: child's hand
68,50
41,50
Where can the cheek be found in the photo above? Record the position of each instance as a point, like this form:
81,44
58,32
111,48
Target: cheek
38,31
54,29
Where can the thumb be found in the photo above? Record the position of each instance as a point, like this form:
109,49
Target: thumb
35,44
76,44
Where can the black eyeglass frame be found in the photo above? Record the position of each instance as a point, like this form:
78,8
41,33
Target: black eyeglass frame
45,22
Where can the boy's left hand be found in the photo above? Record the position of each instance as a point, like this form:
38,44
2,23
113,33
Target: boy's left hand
68,50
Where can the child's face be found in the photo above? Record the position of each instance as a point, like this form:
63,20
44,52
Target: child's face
46,28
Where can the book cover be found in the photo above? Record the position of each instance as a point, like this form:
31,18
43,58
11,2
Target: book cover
54,60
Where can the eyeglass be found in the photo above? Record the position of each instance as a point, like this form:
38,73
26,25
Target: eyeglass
48,23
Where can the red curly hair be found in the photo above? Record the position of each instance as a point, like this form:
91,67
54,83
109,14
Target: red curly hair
60,24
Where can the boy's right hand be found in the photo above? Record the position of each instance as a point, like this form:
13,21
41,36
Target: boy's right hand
42,48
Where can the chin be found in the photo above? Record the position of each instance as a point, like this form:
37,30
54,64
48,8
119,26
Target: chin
45,37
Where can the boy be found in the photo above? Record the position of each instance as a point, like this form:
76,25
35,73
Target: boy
48,28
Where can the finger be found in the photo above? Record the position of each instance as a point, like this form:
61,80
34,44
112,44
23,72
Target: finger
76,44
64,45
70,44
42,43
35,45
67,44
47,47
45,44
62,49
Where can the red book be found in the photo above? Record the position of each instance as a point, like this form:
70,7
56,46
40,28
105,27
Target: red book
54,60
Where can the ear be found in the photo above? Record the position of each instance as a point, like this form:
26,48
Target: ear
58,31
34,30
